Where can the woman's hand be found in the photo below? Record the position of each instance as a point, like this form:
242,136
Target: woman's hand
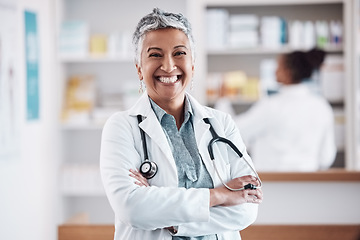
221,196
141,181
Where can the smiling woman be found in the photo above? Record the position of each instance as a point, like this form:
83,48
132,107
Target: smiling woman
171,125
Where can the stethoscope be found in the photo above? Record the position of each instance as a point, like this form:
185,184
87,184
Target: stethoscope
148,169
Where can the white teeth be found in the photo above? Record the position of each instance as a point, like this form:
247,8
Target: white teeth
168,79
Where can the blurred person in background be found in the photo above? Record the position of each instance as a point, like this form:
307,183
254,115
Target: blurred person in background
292,130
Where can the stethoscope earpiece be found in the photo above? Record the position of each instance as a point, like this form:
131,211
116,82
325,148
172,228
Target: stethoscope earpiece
148,169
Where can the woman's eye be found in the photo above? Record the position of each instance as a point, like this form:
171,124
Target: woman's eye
154,55
180,53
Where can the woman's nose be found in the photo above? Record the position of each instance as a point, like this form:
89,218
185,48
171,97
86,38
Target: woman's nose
168,64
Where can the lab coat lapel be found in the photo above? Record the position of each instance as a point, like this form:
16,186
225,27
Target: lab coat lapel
203,136
152,127
200,127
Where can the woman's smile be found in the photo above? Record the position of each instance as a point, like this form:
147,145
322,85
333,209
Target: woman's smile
169,79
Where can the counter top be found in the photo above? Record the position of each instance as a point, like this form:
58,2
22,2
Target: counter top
336,175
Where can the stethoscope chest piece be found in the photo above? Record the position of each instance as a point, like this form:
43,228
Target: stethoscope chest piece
148,169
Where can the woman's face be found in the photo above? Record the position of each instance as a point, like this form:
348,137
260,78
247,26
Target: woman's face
166,64
283,75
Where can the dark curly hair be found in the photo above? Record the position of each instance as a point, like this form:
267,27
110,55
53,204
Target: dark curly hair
302,64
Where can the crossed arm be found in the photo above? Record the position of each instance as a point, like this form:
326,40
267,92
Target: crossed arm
221,196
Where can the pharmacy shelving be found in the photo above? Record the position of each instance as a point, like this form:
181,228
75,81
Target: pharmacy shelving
212,59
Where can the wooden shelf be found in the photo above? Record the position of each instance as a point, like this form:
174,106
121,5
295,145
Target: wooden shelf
85,232
333,175
297,232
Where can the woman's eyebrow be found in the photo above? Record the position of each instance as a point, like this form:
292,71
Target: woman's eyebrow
180,46
154,48
159,49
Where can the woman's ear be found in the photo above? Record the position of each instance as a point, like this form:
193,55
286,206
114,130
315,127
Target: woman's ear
288,79
138,68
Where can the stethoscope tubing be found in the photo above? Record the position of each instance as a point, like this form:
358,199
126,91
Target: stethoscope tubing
250,186
217,138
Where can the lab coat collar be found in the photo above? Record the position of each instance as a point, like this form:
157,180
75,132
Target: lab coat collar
294,89
143,107
151,126
153,129
200,112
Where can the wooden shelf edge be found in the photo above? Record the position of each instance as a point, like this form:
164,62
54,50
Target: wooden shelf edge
86,232
333,175
254,232
297,232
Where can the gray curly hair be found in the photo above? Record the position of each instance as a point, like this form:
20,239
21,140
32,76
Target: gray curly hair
160,19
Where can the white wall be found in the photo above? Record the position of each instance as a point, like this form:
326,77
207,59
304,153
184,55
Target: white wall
28,208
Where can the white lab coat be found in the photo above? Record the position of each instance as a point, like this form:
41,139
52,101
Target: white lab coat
142,212
290,131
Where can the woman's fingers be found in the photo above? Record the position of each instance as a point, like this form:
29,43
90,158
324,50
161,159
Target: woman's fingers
251,179
141,181
254,196
250,194
245,181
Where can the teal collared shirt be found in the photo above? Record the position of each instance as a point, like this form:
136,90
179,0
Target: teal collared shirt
191,170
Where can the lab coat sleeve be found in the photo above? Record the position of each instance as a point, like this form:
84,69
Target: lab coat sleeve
145,208
222,219
225,219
